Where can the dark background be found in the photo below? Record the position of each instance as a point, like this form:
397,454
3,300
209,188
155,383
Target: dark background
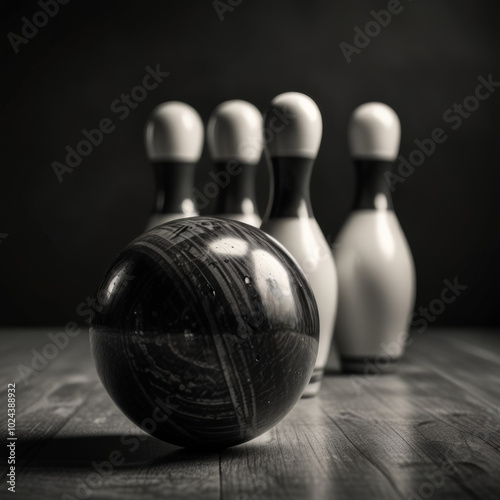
62,236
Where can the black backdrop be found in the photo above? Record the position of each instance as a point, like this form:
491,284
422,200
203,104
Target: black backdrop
57,238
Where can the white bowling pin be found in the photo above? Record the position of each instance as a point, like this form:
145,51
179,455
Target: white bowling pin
174,142
235,143
295,128
374,263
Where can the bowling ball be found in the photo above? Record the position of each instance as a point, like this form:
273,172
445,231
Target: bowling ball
205,332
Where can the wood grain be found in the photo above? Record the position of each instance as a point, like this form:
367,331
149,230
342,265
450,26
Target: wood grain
431,430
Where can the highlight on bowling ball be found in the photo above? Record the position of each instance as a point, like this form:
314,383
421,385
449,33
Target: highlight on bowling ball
206,332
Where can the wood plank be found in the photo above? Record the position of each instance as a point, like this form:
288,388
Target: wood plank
441,421
430,429
45,402
304,457
474,368
76,462
487,338
386,434
75,426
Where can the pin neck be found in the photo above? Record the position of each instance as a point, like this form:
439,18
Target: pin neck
174,188
373,191
290,182
237,187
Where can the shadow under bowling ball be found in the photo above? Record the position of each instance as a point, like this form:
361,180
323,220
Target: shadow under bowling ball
205,332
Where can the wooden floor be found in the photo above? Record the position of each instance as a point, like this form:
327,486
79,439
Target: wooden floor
432,430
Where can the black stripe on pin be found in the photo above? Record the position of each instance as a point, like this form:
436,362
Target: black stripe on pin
291,178
236,182
373,191
174,185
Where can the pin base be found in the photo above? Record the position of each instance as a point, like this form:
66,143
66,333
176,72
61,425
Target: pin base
314,383
368,365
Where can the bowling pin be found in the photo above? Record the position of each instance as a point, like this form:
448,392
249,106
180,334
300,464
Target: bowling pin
174,142
235,143
374,263
295,128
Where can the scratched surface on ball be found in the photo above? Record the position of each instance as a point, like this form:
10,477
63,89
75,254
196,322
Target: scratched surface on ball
206,332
